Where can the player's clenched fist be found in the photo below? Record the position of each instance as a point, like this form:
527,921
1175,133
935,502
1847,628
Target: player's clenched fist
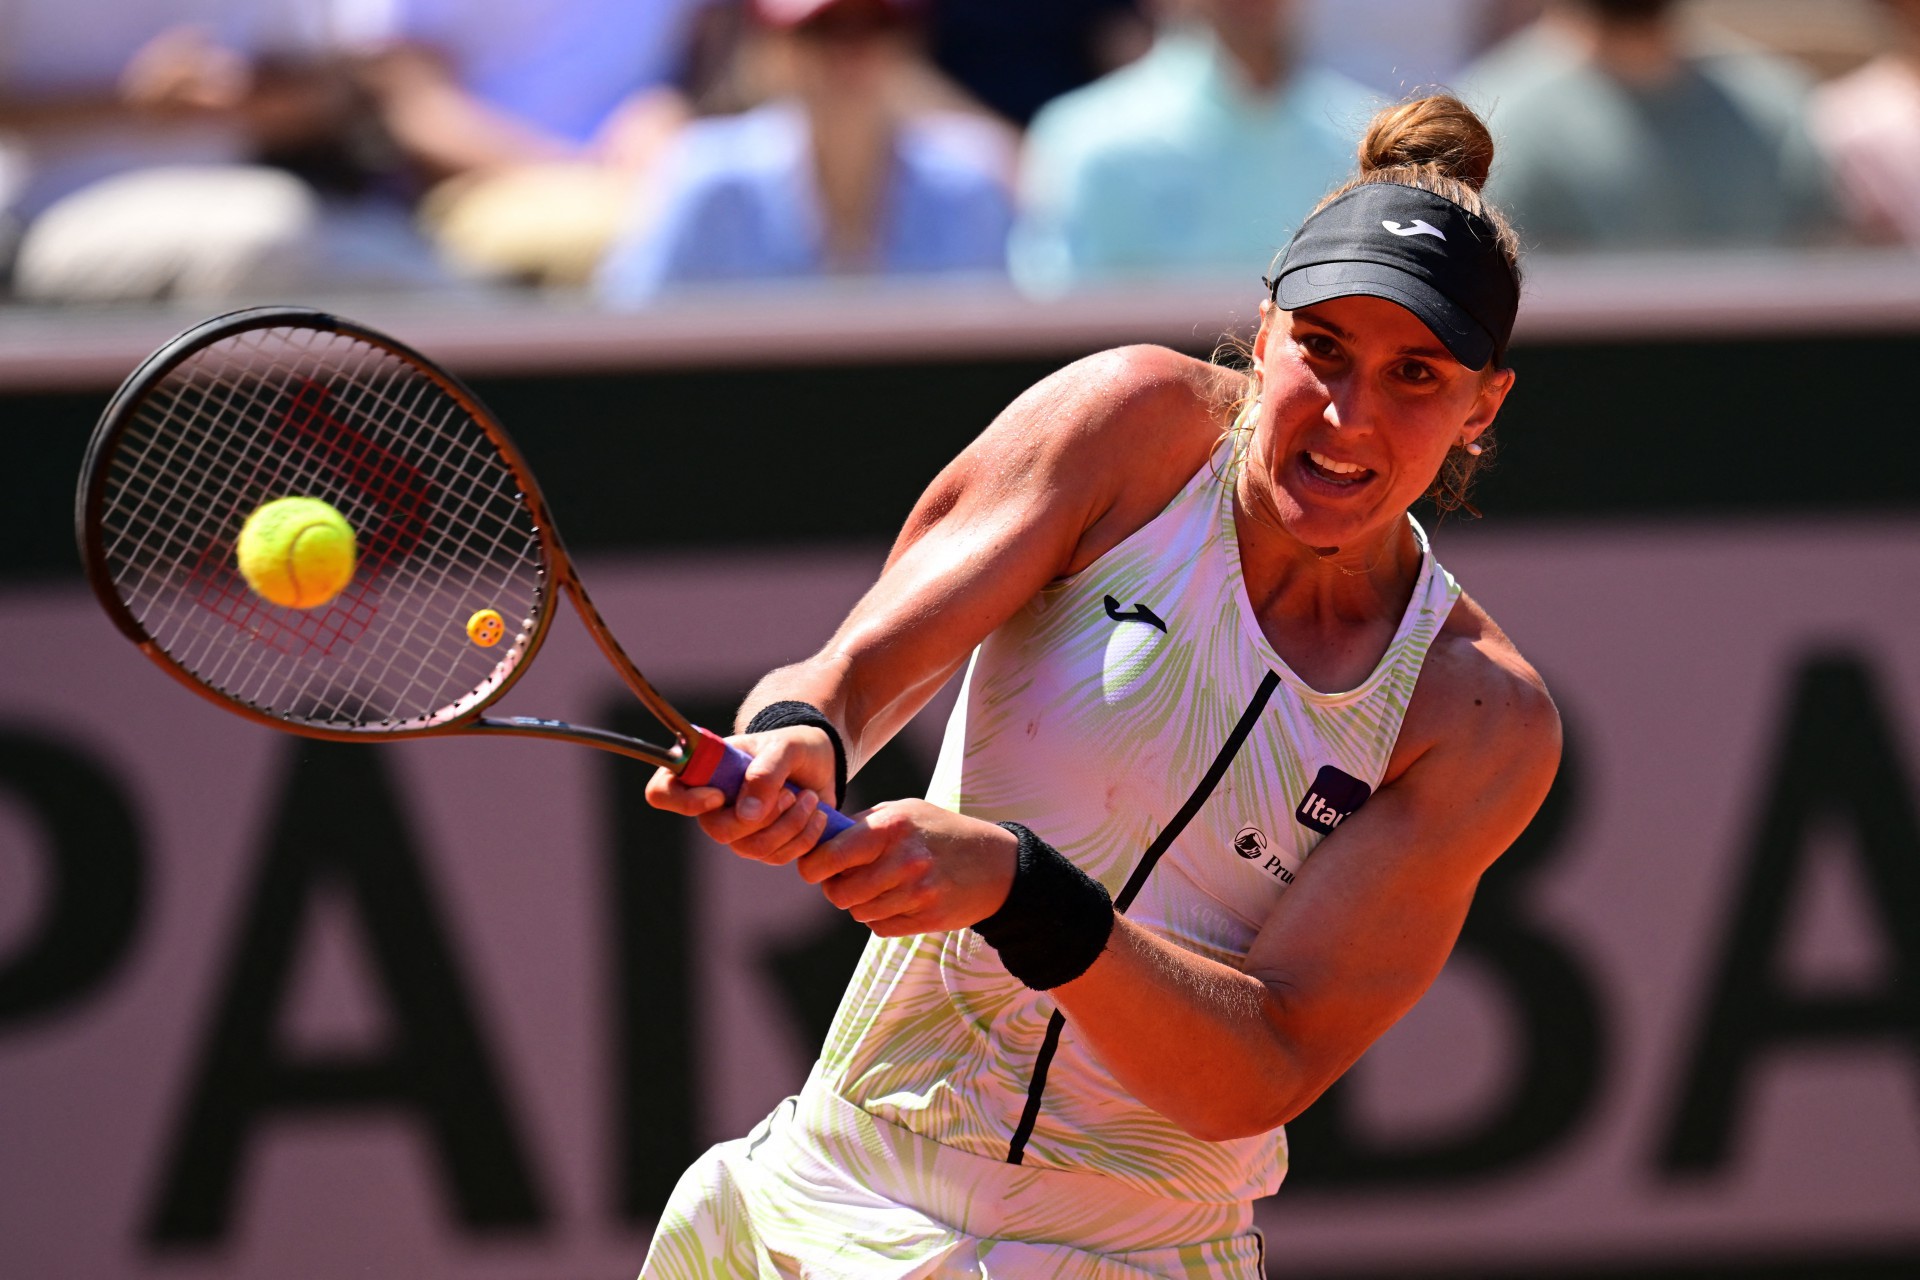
907,866
769,821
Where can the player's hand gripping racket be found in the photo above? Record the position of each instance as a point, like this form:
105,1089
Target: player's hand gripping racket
457,566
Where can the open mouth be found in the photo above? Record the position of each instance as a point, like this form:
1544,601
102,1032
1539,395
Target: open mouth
1330,471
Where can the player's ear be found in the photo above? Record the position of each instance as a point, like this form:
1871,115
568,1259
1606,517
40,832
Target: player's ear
1486,406
1494,390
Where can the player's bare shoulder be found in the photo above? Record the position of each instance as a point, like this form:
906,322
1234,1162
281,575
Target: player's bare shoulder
1481,708
1128,408
1084,456
1151,401
1152,418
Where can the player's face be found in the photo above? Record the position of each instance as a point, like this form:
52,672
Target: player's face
1359,405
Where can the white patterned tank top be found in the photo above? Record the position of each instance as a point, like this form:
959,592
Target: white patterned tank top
1137,719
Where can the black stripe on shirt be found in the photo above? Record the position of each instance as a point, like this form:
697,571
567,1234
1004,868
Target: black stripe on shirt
1017,1149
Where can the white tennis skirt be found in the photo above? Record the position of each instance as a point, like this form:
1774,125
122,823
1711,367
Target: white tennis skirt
822,1188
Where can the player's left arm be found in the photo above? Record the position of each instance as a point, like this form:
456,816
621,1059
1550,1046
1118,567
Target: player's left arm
1350,946
1359,936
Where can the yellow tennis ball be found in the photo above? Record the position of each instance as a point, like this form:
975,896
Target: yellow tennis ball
297,552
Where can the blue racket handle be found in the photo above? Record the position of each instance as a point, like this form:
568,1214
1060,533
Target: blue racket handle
728,769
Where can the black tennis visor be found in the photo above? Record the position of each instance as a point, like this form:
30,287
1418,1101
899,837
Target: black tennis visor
1414,248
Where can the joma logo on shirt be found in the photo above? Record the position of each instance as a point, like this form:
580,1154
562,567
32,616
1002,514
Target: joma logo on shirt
1332,799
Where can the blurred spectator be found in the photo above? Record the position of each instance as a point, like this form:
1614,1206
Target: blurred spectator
538,119
1396,46
847,173
1201,156
1017,55
134,133
282,145
562,70
1501,20
1617,129
1868,123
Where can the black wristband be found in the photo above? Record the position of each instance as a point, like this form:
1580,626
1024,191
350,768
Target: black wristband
1055,921
785,715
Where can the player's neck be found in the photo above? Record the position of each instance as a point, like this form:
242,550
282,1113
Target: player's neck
1330,614
1362,582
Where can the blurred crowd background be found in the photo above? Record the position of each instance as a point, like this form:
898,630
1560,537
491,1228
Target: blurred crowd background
475,1021
626,150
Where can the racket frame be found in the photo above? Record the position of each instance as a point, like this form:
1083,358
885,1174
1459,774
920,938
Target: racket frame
694,747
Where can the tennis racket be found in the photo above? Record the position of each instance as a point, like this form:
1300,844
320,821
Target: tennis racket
458,566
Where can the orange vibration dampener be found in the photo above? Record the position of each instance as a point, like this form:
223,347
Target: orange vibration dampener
486,628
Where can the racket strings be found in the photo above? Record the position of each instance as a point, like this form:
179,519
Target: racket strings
374,479
388,482
425,575
309,415
216,463
240,457
442,528
501,494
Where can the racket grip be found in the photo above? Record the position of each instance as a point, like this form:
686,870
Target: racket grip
716,763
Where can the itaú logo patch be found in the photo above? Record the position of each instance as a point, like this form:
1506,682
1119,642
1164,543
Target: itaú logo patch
1332,799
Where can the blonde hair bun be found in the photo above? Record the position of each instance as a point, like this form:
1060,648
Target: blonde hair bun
1439,133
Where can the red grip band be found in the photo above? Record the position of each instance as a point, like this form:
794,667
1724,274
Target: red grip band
708,752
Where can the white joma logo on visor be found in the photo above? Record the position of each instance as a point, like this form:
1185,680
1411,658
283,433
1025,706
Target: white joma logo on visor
1420,227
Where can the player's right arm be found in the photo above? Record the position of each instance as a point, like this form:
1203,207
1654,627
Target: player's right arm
1061,476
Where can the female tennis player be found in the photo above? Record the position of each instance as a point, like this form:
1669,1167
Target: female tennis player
1207,641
